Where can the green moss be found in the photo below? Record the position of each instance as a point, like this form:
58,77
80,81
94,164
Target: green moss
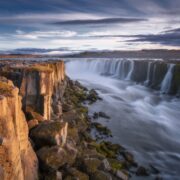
5,89
115,164
83,110
102,129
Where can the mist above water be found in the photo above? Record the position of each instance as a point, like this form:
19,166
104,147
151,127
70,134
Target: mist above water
143,120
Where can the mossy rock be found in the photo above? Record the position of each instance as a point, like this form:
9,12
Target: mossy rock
101,175
102,129
45,134
115,164
73,134
106,148
90,165
76,174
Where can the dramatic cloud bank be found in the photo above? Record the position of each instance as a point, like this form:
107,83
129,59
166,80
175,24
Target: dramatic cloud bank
77,25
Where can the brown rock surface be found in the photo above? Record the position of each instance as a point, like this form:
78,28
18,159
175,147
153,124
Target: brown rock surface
17,158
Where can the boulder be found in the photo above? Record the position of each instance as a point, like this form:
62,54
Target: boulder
52,158
105,166
90,165
76,174
141,171
121,175
101,175
100,114
49,133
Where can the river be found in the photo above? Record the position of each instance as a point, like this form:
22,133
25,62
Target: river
145,121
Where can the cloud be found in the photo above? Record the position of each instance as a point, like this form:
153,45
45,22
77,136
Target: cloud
99,21
170,37
43,34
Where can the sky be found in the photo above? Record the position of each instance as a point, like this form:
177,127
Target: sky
55,26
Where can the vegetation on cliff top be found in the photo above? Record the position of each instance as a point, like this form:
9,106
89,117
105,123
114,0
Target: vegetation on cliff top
40,68
5,89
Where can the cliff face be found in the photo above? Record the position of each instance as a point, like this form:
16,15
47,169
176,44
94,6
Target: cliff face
36,96
39,84
17,158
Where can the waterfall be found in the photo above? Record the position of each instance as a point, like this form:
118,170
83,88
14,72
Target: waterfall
130,71
148,74
166,83
125,69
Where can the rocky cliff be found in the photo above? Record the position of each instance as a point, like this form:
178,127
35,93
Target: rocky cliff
17,158
30,93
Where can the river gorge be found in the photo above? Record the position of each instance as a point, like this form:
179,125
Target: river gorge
141,97
53,111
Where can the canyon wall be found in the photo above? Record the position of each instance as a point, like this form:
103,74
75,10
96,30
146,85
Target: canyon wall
29,92
38,84
17,158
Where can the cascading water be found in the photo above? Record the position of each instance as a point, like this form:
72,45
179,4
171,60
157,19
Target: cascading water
127,70
166,84
148,74
130,70
144,121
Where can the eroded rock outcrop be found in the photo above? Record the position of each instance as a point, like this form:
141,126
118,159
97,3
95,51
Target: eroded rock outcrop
17,158
32,95
40,84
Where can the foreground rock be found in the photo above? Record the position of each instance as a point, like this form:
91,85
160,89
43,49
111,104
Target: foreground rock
49,133
17,158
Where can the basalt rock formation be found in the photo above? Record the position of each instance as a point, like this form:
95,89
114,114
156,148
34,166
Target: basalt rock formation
30,94
17,158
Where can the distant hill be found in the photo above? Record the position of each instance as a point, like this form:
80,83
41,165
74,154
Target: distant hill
159,53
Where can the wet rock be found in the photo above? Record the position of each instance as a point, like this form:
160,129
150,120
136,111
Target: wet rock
128,156
101,129
116,164
32,123
96,115
108,149
154,170
49,133
93,96
141,171
101,175
121,175
105,165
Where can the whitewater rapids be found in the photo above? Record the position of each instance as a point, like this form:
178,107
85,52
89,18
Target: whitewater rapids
143,120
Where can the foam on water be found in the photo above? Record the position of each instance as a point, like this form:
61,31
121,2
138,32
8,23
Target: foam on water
144,121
